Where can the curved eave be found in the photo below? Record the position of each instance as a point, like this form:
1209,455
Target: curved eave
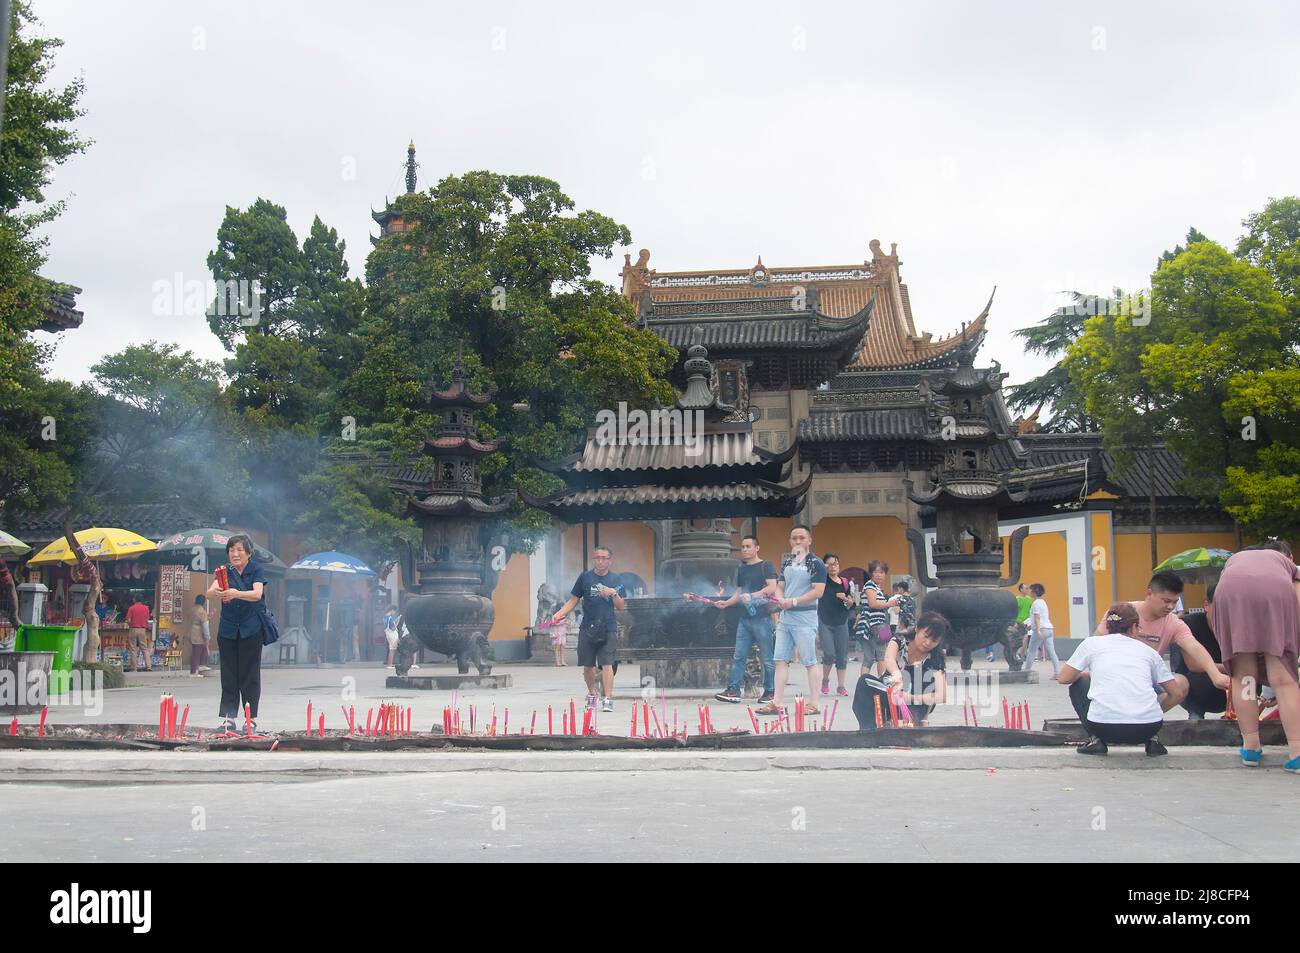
667,502
462,445
460,397
997,494
457,506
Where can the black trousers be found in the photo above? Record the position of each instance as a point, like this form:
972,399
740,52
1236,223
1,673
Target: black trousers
1202,696
1127,734
241,676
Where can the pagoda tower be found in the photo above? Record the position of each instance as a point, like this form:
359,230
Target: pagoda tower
967,490
450,609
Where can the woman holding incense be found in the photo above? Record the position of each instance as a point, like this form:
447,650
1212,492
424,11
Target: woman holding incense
914,666
239,635
1125,676
833,625
1257,623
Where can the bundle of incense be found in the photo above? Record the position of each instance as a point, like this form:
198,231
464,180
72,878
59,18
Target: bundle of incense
586,722
893,710
798,714
308,718
708,718
13,728
220,576
659,733
1006,713
903,711
162,713
752,720
692,597
1029,725
549,624
573,719
880,722
834,709
564,716
248,719
320,731
173,709
532,729
505,727
550,724
633,734
974,716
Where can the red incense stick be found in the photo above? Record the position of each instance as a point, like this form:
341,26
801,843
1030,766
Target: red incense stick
309,719
40,732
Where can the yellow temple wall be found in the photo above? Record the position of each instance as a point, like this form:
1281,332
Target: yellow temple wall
1133,560
633,546
1044,559
510,600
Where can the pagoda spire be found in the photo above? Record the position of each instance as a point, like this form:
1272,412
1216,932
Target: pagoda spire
410,167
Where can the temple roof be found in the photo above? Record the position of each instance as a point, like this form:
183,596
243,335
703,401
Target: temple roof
728,449
842,292
754,498
1102,471
907,423
61,312
749,323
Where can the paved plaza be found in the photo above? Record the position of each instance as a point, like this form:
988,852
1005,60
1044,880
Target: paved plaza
942,805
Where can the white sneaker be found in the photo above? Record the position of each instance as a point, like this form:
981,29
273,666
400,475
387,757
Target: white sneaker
607,705
204,668
413,668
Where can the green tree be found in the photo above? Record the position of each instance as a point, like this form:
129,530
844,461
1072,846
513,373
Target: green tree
255,246
37,135
1053,389
1272,241
496,269
163,430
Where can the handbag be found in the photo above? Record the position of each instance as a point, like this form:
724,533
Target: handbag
869,689
270,628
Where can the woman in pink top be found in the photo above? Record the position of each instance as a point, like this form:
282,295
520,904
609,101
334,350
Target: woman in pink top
1257,622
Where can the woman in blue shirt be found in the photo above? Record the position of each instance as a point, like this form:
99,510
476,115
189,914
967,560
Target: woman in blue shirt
239,637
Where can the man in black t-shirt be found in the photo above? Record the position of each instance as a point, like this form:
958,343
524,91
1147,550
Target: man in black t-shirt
1202,696
755,578
601,593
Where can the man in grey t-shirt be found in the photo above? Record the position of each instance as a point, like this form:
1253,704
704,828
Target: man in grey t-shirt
802,582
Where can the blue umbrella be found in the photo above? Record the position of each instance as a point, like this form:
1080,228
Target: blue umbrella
334,562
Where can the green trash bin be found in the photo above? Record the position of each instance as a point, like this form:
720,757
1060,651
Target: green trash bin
59,639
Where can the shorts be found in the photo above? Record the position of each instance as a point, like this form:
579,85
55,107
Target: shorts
872,649
791,636
835,644
390,635
591,655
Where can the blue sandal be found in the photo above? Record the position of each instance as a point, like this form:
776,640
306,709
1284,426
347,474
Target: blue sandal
1251,757
1293,766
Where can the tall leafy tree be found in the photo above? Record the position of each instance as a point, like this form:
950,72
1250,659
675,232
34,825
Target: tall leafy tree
496,270
254,245
37,135
1053,390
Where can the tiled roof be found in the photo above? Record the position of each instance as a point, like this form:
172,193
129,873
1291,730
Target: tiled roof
729,448
1048,449
755,498
154,521
449,504
891,340
755,324
61,312
893,424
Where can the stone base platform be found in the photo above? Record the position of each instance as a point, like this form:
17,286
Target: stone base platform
1212,732
446,681
704,668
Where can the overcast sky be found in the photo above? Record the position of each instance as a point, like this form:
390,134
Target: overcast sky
1032,146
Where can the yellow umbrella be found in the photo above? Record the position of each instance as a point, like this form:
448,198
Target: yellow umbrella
99,542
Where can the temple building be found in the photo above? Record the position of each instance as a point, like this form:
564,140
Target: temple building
826,371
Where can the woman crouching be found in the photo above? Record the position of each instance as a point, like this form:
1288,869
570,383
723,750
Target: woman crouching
914,666
1127,673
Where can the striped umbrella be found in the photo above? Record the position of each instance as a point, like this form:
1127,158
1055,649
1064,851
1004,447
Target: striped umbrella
12,545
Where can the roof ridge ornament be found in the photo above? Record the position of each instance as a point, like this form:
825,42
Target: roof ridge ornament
759,276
